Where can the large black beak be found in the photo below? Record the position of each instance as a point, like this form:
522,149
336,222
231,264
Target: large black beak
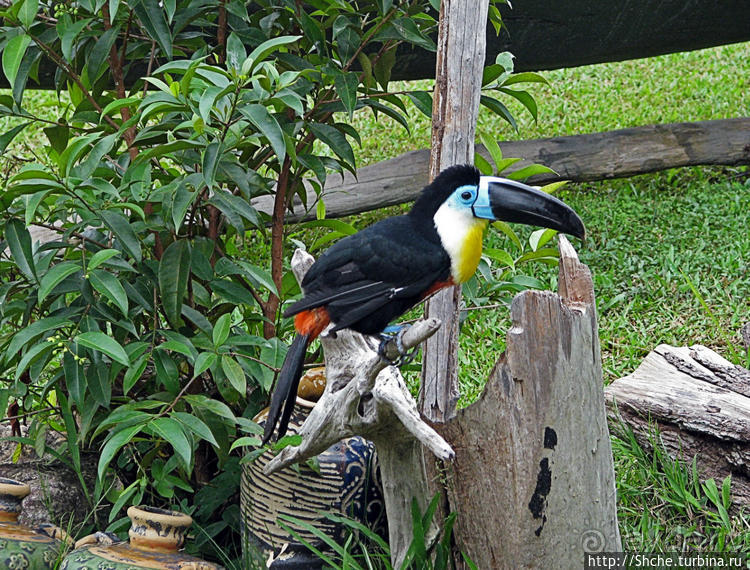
511,201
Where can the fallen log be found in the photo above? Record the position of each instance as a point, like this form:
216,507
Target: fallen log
700,404
579,158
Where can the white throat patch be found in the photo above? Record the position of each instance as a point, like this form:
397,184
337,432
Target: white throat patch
461,235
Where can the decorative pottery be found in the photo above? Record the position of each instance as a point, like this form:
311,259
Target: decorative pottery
345,482
22,547
156,536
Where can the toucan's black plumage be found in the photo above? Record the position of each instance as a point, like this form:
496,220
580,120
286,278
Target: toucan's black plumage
366,280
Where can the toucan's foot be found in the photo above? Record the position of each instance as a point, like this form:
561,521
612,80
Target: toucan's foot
404,355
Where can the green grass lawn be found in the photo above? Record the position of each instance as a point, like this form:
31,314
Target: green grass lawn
651,240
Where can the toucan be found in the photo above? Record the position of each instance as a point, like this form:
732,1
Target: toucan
366,280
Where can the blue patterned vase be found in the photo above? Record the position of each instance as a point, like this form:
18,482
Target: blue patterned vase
344,482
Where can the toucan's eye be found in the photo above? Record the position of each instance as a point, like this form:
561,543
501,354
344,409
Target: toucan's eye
466,195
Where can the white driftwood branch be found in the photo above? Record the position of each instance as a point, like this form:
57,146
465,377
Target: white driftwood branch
367,397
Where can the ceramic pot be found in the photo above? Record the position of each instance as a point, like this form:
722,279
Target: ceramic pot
156,536
22,547
345,482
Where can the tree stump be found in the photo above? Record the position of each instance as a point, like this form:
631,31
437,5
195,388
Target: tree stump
700,404
533,480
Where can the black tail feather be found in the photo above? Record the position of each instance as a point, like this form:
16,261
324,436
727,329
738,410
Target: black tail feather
285,392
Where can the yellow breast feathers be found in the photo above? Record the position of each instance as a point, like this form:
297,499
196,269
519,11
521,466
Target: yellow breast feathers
461,235
471,251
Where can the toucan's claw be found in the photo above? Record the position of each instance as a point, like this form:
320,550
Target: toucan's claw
405,356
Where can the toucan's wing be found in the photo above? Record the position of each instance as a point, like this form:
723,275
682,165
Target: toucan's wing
360,274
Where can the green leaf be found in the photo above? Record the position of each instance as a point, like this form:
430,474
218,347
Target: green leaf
422,101
99,385
35,352
268,126
221,329
114,5
207,102
7,137
27,12
529,171
75,379
346,86
109,286
236,53
118,104
32,202
499,109
490,144
196,425
259,276
100,52
211,158
183,199
499,255
553,187
384,66
122,229
171,431
114,444
246,441
508,231
176,346
174,272
204,361
55,276
87,167
525,77
13,54
99,341
539,238
22,337
320,210
483,164
101,256
235,374
200,402
408,30
68,33
335,140
525,98
239,206
19,243
265,48
152,16
133,374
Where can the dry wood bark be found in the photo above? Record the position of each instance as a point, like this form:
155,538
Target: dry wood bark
458,85
533,479
700,404
580,158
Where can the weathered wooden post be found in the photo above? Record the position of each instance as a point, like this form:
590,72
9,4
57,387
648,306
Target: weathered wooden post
458,84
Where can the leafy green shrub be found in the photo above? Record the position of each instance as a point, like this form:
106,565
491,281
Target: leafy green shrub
141,330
